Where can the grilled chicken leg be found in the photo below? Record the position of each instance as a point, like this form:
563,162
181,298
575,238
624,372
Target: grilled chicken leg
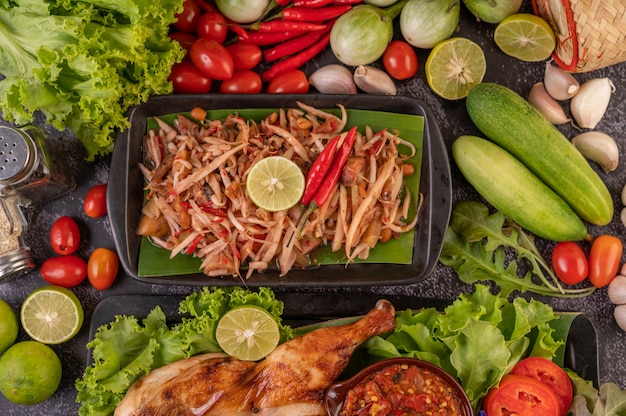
290,381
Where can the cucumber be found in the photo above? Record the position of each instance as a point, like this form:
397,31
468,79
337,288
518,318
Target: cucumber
515,191
510,121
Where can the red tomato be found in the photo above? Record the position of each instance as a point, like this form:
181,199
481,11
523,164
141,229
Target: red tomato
96,201
185,39
604,259
245,55
212,25
65,271
212,59
570,263
64,236
290,82
102,268
242,82
187,79
187,20
550,374
520,395
400,60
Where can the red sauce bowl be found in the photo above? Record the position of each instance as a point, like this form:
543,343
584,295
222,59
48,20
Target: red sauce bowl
337,393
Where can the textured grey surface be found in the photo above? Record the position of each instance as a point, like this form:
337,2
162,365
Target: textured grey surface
443,284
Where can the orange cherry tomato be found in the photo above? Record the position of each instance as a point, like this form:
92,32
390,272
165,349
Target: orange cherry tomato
96,201
604,259
521,395
102,268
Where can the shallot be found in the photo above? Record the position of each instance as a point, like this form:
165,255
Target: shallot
333,79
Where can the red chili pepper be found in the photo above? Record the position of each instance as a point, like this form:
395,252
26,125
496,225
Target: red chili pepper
297,60
318,170
267,39
192,247
281,25
322,14
347,1
294,45
283,3
311,3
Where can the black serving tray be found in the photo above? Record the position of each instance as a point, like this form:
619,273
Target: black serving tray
125,193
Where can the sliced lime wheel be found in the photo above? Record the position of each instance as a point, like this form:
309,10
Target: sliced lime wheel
526,37
247,333
275,183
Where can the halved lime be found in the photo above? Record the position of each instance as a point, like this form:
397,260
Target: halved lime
454,67
247,333
52,315
275,183
526,37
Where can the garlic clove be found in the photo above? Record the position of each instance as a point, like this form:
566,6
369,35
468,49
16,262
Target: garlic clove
333,79
617,290
620,316
622,216
548,106
598,147
560,84
623,198
590,103
373,80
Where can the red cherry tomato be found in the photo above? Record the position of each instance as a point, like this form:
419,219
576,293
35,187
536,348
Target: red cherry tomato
550,374
245,55
604,259
400,60
290,82
102,268
65,271
185,39
187,79
212,25
96,201
520,395
570,263
242,82
64,236
187,20
212,59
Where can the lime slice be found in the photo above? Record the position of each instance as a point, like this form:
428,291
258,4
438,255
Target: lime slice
52,315
275,183
454,67
526,37
247,333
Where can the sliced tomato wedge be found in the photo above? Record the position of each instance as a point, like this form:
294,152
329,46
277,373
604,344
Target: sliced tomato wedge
521,396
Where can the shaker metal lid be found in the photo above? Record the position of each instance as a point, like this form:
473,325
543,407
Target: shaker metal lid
16,154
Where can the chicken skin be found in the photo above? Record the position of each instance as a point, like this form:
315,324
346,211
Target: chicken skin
291,380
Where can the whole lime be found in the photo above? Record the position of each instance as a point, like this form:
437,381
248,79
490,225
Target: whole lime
30,372
9,326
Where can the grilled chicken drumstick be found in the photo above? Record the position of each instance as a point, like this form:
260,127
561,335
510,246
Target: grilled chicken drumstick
290,381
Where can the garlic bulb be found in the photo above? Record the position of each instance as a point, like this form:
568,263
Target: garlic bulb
560,84
373,80
548,106
620,316
333,79
598,147
590,103
617,290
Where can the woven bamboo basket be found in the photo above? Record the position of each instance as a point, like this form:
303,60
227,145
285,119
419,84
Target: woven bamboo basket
590,34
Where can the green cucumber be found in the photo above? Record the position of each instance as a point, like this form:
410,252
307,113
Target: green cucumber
510,121
514,190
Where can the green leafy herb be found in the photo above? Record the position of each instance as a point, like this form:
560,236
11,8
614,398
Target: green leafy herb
482,246
610,400
83,63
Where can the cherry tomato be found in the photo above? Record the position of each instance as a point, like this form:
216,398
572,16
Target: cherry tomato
290,82
64,236
604,259
102,268
550,374
400,60
187,79
570,263
96,201
212,25
212,59
242,82
245,55
65,271
520,395
187,20
185,39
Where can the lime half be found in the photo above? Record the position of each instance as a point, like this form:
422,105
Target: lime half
454,67
526,37
52,315
247,333
275,183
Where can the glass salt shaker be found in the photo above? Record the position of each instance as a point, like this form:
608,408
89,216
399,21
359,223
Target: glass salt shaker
15,257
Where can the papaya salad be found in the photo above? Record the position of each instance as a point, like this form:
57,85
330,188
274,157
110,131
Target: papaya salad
196,202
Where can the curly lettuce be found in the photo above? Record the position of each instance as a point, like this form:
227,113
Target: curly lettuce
84,63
